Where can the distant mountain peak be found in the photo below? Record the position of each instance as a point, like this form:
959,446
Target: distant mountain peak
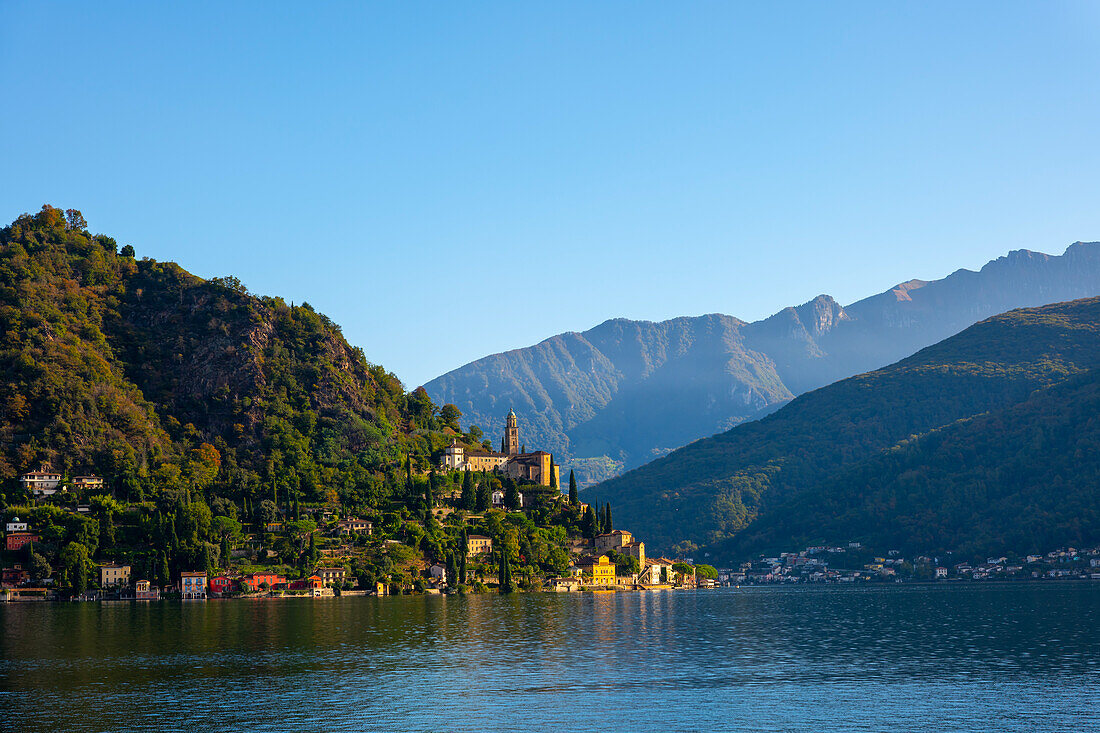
901,290
627,390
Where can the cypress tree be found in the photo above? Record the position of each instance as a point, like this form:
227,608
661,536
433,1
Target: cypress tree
313,553
607,525
468,499
462,567
588,526
452,570
553,477
227,552
484,497
163,576
573,500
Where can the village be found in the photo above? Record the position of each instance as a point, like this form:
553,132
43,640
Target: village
854,563
505,525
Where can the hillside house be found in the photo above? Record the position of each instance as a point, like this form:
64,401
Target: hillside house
479,544
43,482
18,540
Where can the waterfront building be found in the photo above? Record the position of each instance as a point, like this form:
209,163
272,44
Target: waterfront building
14,576
193,585
253,581
601,569
112,575
143,591
331,575
220,584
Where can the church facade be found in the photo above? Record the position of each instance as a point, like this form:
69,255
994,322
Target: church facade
512,459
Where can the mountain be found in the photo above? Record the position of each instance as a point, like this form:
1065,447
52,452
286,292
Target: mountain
626,392
941,449
1019,479
155,378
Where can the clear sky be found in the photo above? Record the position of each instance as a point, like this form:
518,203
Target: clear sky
448,180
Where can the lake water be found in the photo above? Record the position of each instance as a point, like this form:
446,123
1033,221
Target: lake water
974,657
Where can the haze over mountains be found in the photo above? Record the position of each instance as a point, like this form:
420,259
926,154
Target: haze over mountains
626,392
988,441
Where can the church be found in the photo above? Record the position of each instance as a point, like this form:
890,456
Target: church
512,460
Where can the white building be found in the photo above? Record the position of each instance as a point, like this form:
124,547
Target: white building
454,457
16,526
43,482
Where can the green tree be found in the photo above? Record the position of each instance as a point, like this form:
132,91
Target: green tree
484,497
75,561
588,524
452,570
608,526
128,251
164,577
468,500
450,415
226,552
572,489
511,495
504,574
266,512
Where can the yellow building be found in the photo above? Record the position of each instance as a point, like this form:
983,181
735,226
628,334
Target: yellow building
602,571
483,461
112,575
478,544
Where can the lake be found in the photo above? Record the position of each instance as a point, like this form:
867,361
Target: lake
958,657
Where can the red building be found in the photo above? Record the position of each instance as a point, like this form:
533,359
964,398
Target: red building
252,583
311,583
221,584
16,540
14,576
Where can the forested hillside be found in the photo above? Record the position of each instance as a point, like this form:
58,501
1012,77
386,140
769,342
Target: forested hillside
157,379
790,471
1013,480
625,392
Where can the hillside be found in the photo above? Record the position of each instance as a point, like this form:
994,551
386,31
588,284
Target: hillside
626,392
718,488
157,379
1017,479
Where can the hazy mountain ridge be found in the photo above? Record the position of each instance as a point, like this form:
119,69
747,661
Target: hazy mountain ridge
634,390
803,473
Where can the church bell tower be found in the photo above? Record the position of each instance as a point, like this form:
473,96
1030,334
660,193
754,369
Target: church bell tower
511,434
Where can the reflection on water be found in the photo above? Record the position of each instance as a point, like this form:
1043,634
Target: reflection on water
960,658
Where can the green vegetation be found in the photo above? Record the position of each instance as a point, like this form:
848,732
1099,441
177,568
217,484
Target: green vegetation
858,457
232,430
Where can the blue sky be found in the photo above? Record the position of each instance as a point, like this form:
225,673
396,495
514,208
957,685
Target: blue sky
448,180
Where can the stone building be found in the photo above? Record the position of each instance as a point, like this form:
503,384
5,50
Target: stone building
511,460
